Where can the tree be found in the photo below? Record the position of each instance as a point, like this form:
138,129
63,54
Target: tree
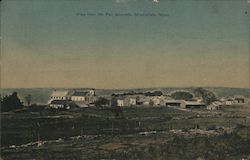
113,102
102,102
182,95
1,99
207,96
28,99
11,102
155,93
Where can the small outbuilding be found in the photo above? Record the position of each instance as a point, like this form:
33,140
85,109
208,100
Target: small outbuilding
59,104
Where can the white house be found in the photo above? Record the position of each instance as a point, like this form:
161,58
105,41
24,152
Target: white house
60,98
240,100
156,100
79,96
59,95
229,102
236,100
84,96
120,103
126,101
132,101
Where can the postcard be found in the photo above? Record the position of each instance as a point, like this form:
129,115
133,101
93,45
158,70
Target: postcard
125,79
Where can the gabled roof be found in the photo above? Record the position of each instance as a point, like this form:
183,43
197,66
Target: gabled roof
239,97
77,93
144,99
174,101
59,93
126,97
216,103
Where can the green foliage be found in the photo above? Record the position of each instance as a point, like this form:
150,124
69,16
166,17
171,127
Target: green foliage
11,102
113,102
208,96
182,95
102,102
154,93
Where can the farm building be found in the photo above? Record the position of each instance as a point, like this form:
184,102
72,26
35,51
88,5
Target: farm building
91,96
240,100
60,95
159,100
217,105
184,104
175,103
229,102
126,101
59,104
132,101
120,102
86,96
79,96
194,104
144,101
236,100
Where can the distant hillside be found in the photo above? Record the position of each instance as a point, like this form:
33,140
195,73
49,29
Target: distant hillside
38,95
226,92
41,95
219,91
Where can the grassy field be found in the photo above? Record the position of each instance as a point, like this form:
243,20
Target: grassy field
94,133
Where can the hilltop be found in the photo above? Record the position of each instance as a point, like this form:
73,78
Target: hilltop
41,95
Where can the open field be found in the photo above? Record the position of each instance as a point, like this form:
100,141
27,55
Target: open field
142,133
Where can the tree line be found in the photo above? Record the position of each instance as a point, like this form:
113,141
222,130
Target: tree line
11,102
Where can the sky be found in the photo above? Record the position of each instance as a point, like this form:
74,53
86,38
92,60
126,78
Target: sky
103,44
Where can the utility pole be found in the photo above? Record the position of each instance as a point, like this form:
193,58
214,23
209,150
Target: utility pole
38,131
112,128
39,143
195,124
139,125
110,103
81,131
